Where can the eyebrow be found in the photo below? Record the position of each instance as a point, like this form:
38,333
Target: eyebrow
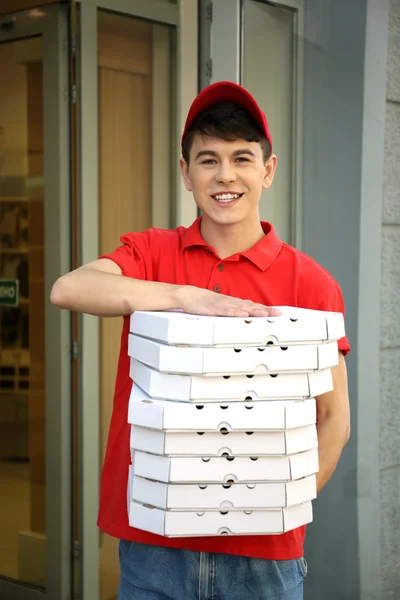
215,154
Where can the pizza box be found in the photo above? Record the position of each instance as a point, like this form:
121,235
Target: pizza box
230,361
225,469
223,443
185,388
214,416
214,523
225,496
293,325
130,486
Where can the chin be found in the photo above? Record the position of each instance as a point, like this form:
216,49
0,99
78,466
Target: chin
225,219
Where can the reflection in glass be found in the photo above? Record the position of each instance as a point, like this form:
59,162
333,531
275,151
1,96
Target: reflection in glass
22,351
268,36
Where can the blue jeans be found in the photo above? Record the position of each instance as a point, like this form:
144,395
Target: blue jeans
157,573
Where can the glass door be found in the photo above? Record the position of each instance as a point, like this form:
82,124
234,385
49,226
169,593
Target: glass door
35,421
128,171
235,36
269,30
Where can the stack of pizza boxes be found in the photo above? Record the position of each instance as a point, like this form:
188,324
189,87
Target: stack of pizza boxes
223,420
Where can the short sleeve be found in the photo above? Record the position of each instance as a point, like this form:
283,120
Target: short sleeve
333,302
132,256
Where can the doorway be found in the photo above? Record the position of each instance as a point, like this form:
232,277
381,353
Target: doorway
259,44
34,374
128,170
136,66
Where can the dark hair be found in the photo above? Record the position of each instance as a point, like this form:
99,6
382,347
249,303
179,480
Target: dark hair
229,122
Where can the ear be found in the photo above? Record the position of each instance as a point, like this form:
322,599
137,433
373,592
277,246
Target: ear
270,168
185,174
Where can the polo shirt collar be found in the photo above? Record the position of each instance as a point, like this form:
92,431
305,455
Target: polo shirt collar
262,254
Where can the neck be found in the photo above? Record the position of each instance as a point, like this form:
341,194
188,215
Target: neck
231,239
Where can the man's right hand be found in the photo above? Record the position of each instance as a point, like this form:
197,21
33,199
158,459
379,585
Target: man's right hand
198,301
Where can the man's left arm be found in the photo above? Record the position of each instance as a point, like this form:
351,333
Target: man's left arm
333,423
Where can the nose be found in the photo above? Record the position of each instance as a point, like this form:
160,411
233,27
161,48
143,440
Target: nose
226,173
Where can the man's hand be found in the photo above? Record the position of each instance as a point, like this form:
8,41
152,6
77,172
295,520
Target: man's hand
98,288
198,301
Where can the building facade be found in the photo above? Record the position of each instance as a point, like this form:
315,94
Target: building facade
93,98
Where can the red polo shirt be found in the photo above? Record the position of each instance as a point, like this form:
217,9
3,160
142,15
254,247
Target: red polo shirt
272,273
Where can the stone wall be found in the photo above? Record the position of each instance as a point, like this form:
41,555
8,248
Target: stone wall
390,324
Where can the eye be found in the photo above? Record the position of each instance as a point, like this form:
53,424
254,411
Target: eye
242,159
208,161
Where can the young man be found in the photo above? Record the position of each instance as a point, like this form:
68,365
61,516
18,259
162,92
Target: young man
226,263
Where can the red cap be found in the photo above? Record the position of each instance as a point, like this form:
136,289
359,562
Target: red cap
227,91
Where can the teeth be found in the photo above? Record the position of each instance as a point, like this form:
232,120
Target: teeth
226,197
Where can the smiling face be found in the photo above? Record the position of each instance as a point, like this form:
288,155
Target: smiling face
227,178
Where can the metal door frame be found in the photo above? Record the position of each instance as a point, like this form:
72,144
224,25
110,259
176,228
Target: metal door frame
51,22
182,15
222,51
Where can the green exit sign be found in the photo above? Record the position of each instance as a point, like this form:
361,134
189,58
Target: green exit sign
9,292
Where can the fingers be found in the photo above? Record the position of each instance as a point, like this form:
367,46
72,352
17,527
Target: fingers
235,307
229,309
209,303
259,310
268,311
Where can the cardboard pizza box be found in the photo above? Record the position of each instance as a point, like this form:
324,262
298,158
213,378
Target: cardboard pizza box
294,325
214,416
230,361
226,496
187,388
225,469
130,486
224,442
214,523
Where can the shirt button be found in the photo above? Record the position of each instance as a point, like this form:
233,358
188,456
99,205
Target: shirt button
220,267
217,288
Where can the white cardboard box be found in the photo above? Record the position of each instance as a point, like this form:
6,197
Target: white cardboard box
190,523
229,361
294,325
186,388
214,416
214,496
231,443
130,486
221,469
